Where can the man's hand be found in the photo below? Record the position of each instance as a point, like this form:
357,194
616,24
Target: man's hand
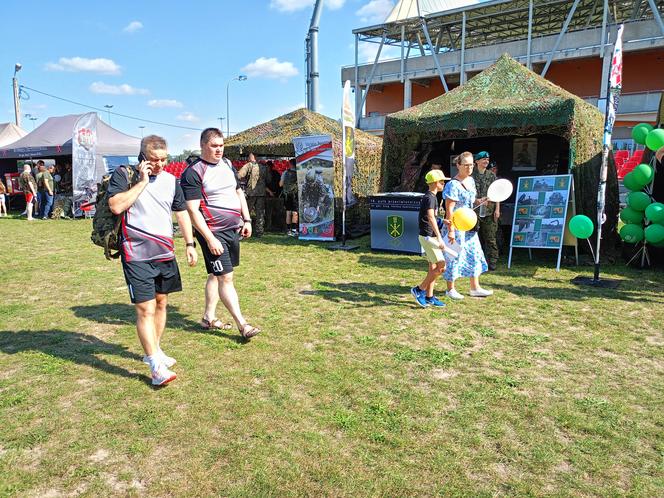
215,246
192,256
246,230
144,170
496,214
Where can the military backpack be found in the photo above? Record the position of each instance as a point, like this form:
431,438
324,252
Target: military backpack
106,225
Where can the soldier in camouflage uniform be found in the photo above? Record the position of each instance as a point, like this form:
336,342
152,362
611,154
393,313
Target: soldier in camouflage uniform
256,176
489,213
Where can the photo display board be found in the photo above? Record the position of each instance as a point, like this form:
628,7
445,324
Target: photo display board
540,212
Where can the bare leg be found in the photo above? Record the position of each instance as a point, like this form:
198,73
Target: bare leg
474,283
160,318
211,297
229,297
145,325
28,210
450,285
435,271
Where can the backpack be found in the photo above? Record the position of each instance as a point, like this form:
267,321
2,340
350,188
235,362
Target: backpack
105,224
290,182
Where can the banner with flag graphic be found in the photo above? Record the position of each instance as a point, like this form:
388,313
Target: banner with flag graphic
348,155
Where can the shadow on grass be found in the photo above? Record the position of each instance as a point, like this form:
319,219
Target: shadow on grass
360,294
71,346
124,314
576,293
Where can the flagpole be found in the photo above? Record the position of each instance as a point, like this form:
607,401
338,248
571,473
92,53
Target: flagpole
613,94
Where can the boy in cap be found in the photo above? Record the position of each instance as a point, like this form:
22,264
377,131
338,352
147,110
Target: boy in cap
431,241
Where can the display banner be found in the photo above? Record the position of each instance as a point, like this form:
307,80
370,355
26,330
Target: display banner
348,135
540,211
84,151
315,178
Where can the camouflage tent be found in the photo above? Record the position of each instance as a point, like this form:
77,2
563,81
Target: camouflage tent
275,139
507,99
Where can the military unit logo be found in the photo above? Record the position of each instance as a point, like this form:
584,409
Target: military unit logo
395,226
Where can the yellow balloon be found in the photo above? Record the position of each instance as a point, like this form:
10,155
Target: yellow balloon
464,219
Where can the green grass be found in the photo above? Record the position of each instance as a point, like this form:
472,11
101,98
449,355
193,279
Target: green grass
544,389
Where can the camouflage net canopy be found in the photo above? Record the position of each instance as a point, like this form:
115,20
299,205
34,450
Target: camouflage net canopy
507,99
275,139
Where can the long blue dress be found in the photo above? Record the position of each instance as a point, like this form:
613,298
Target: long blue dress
471,261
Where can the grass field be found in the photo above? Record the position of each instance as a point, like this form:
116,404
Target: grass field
544,389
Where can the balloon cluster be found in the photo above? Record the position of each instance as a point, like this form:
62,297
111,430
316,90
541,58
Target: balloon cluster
643,218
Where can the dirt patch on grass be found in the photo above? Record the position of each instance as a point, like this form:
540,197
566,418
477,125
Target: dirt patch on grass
99,456
442,374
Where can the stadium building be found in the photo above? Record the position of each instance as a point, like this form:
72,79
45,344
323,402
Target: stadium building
440,44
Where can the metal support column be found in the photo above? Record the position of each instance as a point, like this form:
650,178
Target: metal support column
462,71
560,36
371,75
529,64
605,17
655,14
407,93
403,36
434,55
358,88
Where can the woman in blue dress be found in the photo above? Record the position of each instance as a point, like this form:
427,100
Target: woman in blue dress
460,192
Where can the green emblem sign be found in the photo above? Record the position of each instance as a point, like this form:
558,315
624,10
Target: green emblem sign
395,226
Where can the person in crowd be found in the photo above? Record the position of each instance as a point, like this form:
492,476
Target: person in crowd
488,212
66,184
44,190
3,195
29,187
461,192
54,171
288,183
431,241
255,176
146,204
220,215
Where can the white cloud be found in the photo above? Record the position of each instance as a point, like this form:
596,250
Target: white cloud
124,89
159,103
133,26
270,68
294,5
188,117
367,52
79,64
376,11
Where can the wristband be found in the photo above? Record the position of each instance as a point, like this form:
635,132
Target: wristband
247,221
191,244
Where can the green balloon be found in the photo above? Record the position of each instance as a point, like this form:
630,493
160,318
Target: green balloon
632,233
643,173
640,132
654,233
655,212
581,226
659,244
638,201
629,215
655,139
631,183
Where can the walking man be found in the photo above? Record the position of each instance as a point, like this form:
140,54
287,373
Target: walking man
45,188
288,182
220,215
29,187
256,175
489,212
145,198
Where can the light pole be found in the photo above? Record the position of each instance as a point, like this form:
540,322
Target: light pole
17,104
31,118
141,127
241,77
221,122
108,108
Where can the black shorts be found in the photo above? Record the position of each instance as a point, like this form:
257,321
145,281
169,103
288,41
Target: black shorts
230,258
147,278
290,202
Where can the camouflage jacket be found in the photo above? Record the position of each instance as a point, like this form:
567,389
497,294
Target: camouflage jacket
256,177
25,180
482,182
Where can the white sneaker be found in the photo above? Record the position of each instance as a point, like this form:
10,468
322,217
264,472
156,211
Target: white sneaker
479,292
453,294
162,375
167,360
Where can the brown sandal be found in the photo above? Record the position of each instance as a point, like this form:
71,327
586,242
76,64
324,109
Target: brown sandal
215,324
248,331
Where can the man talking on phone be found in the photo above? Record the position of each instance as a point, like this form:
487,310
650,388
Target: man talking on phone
145,199
220,215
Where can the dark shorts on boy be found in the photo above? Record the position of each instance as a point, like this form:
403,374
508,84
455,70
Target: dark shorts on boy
290,202
145,279
226,261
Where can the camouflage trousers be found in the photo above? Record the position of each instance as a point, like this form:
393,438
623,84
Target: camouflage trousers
487,228
256,207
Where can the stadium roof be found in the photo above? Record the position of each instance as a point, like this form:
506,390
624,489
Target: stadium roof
495,21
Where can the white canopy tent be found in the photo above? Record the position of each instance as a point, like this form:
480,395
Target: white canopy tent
10,133
407,9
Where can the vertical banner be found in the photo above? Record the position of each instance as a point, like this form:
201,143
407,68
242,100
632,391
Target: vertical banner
315,178
348,135
614,87
84,151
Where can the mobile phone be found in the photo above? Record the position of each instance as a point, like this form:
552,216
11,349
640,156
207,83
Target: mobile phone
141,158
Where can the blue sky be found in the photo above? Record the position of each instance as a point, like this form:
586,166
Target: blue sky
170,61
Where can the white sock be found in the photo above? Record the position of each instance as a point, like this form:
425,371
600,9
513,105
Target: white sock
153,360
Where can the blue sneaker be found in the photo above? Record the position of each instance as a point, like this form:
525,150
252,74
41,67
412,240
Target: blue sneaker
434,301
420,296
